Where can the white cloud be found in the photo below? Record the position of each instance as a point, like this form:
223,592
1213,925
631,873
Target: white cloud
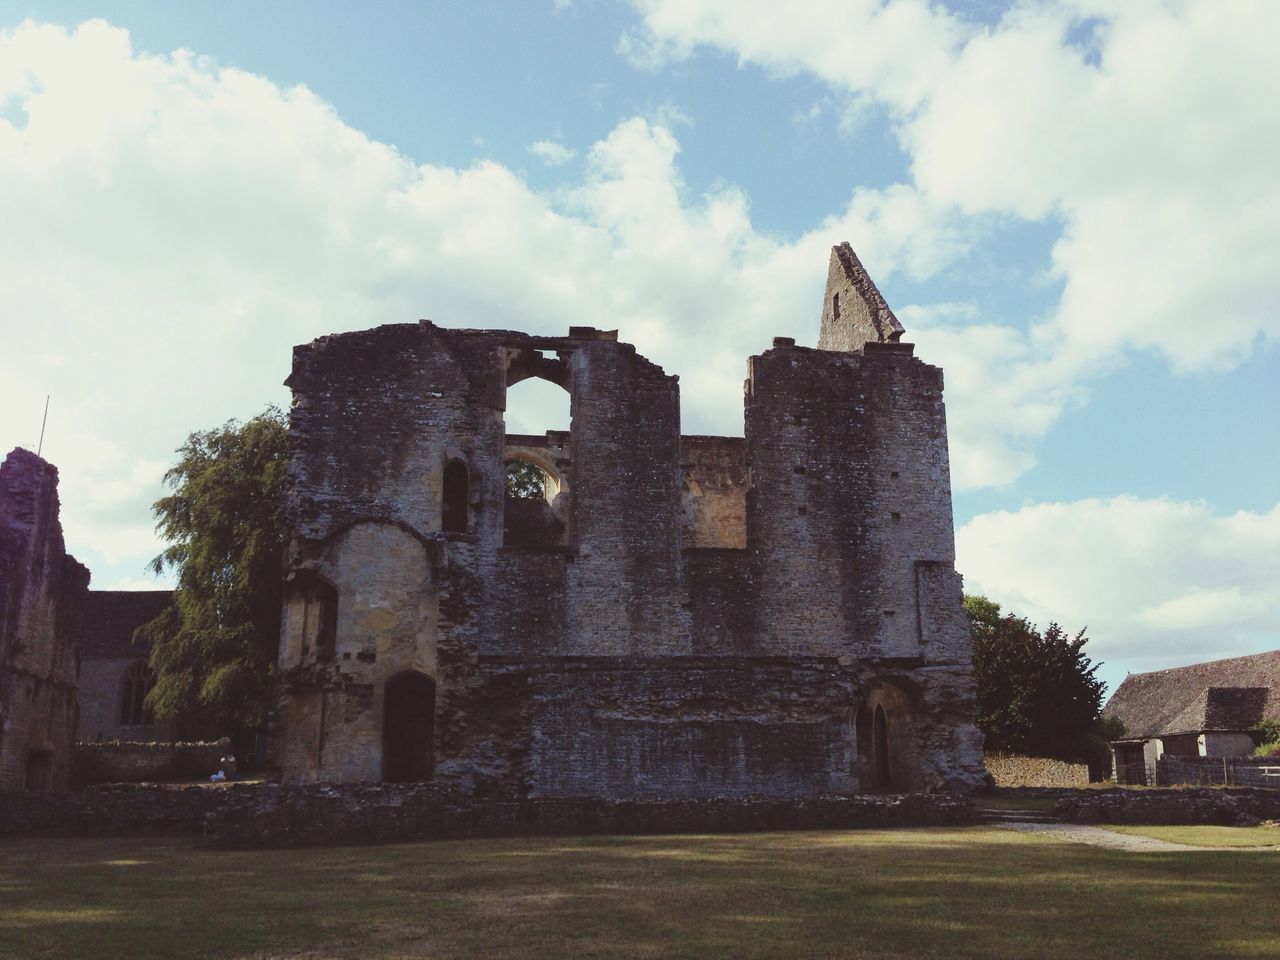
1158,582
1151,142
551,153
173,228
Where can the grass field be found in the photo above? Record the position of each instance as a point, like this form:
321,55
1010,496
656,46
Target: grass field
980,893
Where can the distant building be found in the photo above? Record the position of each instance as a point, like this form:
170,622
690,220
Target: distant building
42,591
114,676
1204,710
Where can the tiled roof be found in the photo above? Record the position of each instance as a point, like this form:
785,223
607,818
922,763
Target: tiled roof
1234,694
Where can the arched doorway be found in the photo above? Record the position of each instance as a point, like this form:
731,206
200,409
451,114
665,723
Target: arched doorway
408,728
880,740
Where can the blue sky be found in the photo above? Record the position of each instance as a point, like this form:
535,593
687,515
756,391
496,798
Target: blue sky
1071,205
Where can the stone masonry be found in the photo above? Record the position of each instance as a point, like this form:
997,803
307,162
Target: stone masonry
42,591
679,617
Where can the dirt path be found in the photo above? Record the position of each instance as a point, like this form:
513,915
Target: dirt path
1097,837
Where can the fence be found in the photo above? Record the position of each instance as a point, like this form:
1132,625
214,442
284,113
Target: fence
1170,771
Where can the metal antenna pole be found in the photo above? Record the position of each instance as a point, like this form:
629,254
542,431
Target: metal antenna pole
42,423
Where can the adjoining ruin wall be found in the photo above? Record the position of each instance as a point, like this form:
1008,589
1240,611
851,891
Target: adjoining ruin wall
42,591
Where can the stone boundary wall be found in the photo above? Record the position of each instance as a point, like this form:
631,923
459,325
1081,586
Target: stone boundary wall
1009,770
124,761
1241,806
264,815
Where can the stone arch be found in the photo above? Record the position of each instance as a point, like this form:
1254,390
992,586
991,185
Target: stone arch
408,727
884,729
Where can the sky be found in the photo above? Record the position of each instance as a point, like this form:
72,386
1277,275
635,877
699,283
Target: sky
1073,206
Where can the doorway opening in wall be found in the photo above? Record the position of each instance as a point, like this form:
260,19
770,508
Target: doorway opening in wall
408,728
880,739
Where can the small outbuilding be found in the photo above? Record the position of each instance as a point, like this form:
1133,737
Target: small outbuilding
1202,710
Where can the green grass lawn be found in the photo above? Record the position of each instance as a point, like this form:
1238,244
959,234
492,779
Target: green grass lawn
975,892
1206,836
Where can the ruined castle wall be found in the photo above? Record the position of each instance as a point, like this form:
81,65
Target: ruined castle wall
849,509
624,583
42,593
377,416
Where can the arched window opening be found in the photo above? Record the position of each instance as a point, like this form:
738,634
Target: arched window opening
455,498
408,728
536,406
138,681
880,738
324,604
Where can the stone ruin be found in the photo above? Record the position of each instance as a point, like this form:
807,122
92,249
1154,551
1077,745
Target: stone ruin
42,593
678,617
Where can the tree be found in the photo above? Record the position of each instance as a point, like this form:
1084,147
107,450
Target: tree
525,481
213,650
1037,692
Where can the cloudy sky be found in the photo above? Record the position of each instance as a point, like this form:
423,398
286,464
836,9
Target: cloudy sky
1074,208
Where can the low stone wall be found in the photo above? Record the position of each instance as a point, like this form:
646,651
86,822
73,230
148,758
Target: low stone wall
1008,770
356,814
269,815
1226,807
117,810
123,761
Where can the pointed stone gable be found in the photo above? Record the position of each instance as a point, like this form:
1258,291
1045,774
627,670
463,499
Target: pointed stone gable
853,311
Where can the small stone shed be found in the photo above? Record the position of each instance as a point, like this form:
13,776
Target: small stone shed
1202,710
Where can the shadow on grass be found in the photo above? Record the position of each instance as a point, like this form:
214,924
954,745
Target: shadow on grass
885,894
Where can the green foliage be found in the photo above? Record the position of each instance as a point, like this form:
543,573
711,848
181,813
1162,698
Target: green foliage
1037,693
1268,737
525,481
213,649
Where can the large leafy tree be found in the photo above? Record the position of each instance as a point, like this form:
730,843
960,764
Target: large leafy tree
1037,692
213,649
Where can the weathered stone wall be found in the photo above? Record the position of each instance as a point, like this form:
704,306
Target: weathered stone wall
42,591
126,761
1008,770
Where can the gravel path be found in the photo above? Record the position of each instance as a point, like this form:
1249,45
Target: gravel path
1097,837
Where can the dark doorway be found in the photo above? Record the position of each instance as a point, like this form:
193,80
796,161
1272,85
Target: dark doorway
408,728
455,497
880,736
